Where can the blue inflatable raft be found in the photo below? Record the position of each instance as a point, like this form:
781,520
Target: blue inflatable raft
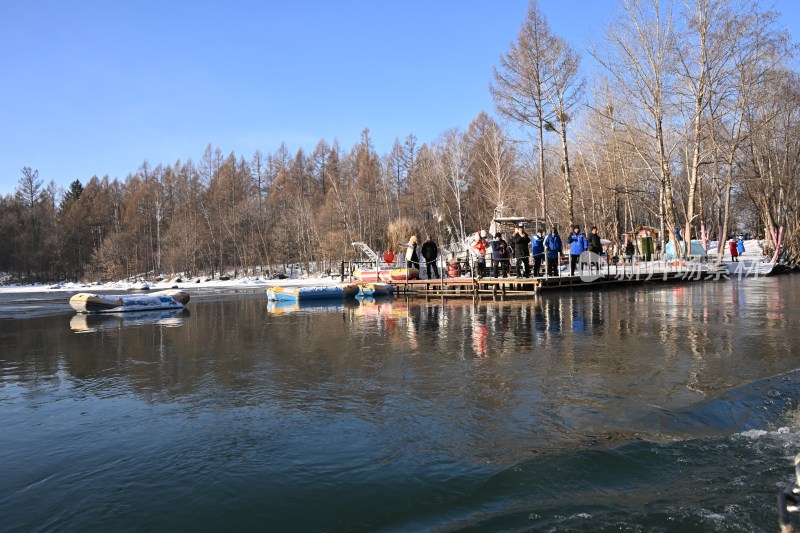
323,292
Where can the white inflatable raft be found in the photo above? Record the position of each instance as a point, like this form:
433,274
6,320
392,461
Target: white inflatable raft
85,302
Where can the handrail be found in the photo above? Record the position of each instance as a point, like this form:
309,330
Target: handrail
364,247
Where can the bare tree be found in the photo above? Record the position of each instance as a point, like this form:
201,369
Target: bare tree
451,170
493,161
743,115
639,60
524,80
564,94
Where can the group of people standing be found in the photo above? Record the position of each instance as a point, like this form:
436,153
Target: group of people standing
543,249
429,252
502,253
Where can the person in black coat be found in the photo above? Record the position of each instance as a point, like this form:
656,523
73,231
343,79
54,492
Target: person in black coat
596,247
519,245
430,251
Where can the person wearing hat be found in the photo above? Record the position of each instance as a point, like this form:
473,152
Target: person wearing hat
520,244
552,245
500,255
537,251
577,245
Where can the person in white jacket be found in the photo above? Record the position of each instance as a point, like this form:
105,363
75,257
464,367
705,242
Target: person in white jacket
412,255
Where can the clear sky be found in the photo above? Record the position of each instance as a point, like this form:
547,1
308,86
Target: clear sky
96,88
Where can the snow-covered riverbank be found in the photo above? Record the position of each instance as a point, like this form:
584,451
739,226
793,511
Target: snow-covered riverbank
753,252
192,283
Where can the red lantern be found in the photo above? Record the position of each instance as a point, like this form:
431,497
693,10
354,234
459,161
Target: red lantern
388,256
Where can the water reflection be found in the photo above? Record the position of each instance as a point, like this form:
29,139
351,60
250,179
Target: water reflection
568,363
309,306
87,323
366,408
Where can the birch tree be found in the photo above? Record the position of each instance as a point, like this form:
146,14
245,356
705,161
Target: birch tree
638,58
451,170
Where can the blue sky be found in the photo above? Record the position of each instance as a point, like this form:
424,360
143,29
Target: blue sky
95,88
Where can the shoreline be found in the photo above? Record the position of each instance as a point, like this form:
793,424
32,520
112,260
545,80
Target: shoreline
253,284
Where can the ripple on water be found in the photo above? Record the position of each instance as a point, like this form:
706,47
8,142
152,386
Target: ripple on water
644,410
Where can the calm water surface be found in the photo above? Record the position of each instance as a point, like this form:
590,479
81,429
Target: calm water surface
666,408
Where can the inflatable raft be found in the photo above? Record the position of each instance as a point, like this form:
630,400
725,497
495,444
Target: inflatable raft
376,289
323,292
385,274
85,302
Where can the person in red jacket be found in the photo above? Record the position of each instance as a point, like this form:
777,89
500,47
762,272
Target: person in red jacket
734,251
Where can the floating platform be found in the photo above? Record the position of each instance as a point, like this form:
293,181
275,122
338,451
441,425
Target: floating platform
512,286
322,292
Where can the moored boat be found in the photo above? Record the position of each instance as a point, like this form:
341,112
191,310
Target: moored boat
85,302
385,274
321,292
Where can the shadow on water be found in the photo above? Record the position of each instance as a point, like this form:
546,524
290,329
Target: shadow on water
696,485
712,467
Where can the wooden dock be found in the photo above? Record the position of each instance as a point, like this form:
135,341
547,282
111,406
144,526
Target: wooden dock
521,287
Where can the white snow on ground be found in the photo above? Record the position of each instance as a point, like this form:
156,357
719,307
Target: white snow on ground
193,283
753,249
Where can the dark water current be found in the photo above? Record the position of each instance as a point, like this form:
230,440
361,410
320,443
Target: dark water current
662,408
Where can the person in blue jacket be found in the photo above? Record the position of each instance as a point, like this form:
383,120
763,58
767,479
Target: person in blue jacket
537,251
552,245
740,245
577,245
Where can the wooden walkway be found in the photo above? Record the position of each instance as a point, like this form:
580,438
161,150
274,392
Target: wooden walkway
514,287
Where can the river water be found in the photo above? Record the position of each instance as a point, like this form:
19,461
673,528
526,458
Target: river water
658,408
